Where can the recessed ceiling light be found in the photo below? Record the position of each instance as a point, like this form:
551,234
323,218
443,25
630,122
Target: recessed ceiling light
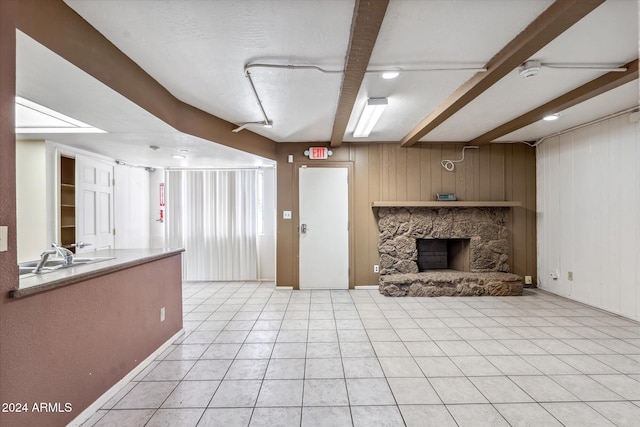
179,156
551,117
390,74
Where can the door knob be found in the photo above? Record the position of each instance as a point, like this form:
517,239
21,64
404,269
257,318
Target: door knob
303,228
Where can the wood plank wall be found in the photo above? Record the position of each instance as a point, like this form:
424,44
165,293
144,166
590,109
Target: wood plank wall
387,172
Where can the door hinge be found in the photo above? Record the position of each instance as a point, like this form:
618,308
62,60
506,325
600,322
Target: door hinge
114,231
113,182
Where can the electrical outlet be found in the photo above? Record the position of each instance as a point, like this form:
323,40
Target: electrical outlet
3,238
570,275
528,280
162,314
376,268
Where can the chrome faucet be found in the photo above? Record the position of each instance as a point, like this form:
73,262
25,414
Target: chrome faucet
44,256
65,253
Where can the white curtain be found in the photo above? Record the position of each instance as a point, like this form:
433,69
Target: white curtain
212,214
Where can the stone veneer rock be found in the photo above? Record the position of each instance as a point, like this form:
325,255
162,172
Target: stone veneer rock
488,252
485,227
450,283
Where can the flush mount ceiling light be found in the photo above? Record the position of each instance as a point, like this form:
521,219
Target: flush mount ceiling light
35,118
551,117
387,75
529,69
370,116
179,156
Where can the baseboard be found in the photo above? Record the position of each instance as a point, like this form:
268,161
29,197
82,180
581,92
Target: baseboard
366,287
284,288
107,395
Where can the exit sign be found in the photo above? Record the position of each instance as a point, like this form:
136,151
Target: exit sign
318,153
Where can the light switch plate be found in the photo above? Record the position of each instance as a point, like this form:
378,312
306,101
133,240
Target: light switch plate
3,238
286,214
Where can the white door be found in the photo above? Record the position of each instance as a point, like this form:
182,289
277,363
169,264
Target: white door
94,210
324,228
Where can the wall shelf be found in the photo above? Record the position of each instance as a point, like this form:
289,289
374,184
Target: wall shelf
452,204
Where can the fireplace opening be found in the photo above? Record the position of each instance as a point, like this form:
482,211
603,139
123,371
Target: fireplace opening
443,254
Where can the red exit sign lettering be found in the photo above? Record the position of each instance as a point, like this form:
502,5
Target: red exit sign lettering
318,153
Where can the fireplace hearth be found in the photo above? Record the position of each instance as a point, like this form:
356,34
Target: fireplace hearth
451,248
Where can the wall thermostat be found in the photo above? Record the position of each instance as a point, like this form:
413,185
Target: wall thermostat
445,197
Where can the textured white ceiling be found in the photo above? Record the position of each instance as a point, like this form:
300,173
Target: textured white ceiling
198,49
49,80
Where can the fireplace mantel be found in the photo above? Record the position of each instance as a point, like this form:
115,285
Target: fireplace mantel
452,204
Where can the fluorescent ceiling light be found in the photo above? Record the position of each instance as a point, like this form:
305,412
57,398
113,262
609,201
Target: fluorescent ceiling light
551,117
390,74
370,116
179,156
35,118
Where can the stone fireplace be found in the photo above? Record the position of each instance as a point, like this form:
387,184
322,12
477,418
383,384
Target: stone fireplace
437,254
452,246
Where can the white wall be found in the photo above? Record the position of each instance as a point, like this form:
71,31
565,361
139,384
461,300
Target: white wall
131,207
267,241
31,199
156,227
588,214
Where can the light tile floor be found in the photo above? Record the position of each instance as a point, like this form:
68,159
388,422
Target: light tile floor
256,356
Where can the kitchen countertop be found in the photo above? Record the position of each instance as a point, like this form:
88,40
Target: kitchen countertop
122,258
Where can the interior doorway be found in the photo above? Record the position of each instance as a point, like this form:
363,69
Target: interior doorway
323,229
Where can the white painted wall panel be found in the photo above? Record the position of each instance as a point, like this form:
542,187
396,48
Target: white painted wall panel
131,208
589,215
156,227
267,240
31,199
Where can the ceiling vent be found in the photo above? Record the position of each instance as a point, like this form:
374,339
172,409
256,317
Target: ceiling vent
529,69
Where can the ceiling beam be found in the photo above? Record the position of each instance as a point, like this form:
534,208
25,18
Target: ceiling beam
60,29
556,19
587,91
365,26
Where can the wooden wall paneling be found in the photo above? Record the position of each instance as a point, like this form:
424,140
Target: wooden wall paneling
484,176
374,194
391,162
497,171
414,179
629,209
530,202
471,170
617,164
436,170
401,173
508,192
286,232
362,212
384,171
475,178
449,152
519,215
460,174
425,172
